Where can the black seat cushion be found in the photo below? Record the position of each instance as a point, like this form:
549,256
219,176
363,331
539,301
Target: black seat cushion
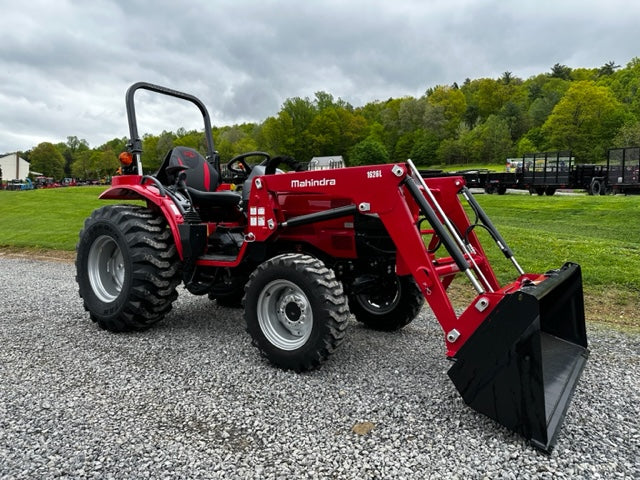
222,199
201,175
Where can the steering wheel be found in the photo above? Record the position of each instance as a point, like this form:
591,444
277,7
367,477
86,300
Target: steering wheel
274,162
244,168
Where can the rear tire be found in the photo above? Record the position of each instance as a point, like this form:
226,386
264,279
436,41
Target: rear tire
392,307
596,188
127,267
296,311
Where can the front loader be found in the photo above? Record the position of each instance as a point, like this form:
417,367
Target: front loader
303,249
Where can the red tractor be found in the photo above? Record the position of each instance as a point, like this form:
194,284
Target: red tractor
303,249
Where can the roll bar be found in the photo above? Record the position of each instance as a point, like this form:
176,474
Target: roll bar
135,143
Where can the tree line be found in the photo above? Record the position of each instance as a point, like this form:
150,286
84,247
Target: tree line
586,110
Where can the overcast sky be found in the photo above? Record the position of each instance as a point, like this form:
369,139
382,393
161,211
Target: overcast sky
65,65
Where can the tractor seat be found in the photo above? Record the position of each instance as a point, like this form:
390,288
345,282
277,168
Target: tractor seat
223,198
202,179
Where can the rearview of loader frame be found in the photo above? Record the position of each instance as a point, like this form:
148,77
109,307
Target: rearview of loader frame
302,250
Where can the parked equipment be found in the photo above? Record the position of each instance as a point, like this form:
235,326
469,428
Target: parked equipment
304,249
543,173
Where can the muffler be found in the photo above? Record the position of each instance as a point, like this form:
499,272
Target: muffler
522,364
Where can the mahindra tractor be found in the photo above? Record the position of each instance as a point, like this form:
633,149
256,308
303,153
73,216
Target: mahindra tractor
304,251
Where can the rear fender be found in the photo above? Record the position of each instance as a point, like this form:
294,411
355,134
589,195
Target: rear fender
123,188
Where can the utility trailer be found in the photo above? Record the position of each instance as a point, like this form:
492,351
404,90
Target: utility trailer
623,171
543,173
303,250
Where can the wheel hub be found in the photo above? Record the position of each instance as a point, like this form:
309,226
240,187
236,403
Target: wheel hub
291,313
285,315
106,268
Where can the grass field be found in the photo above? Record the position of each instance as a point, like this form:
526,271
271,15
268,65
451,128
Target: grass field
602,234
46,218
469,166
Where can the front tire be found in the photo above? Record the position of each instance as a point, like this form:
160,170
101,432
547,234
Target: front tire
296,311
127,267
392,306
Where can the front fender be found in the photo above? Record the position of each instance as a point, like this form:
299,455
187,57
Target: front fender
128,187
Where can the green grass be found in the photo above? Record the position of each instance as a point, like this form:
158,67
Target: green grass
469,166
602,234
46,218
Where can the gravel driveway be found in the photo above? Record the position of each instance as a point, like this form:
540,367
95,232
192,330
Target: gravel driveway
191,398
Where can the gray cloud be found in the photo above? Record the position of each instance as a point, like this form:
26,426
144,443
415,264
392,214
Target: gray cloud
65,66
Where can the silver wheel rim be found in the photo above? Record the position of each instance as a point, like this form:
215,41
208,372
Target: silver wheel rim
284,315
380,306
106,268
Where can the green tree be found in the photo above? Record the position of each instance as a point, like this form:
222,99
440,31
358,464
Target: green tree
390,119
495,137
324,100
285,133
410,115
277,134
81,167
488,95
608,68
118,145
232,141
585,121
453,104
376,132
404,146
368,152
625,84
628,135
333,132
507,77
192,139
149,153
46,159
323,134
451,151
425,148
104,163
515,118
471,115
561,71
525,145
435,121
70,150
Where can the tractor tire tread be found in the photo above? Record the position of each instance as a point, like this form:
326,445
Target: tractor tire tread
155,267
326,288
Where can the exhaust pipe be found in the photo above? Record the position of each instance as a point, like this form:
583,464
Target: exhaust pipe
522,364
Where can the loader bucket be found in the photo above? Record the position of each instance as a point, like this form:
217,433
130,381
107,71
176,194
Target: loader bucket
521,365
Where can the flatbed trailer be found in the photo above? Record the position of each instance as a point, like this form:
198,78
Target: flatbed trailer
543,173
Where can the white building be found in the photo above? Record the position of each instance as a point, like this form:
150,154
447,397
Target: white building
14,167
326,163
